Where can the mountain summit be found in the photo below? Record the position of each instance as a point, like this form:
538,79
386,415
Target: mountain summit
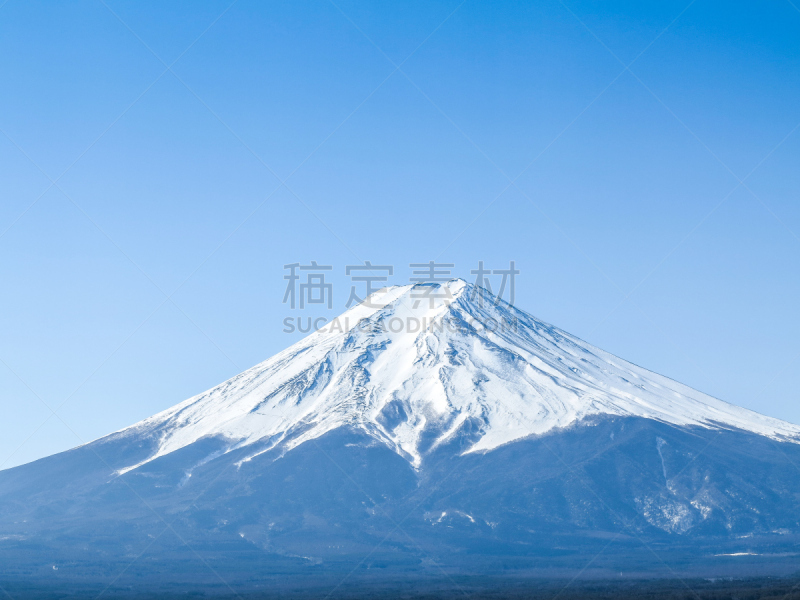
413,365
432,429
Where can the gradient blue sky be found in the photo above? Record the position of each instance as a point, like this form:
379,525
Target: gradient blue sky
627,214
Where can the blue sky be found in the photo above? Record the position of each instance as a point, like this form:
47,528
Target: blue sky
198,147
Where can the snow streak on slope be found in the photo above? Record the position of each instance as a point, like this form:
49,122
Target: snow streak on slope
413,370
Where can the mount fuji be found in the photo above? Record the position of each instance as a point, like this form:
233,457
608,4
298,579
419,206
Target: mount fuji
433,430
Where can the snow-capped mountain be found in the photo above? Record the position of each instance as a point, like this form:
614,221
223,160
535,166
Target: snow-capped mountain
430,429
413,363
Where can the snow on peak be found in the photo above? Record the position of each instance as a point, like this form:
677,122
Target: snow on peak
415,363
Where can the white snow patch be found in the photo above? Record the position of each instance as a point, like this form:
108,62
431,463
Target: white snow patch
447,368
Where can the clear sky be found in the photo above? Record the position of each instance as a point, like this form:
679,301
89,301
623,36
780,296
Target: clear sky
653,211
